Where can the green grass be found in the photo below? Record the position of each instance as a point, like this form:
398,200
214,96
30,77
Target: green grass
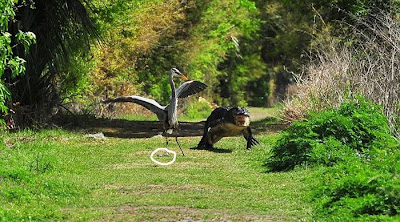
261,114
133,117
58,175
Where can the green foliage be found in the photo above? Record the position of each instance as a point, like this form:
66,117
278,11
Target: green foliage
198,110
226,56
8,61
238,47
65,30
75,81
259,91
26,39
361,189
129,30
355,157
7,12
207,40
327,137
4,94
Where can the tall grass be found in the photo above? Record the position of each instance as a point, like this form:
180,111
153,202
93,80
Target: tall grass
366,65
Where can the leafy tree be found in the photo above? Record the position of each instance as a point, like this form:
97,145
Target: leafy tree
291,28
226,53
10,63
208,40
61,27
138,47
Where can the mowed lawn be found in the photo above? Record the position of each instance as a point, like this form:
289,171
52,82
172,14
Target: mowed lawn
59,175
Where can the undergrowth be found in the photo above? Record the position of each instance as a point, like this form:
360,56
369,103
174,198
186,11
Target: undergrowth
327,137
356,160
360,189
197,110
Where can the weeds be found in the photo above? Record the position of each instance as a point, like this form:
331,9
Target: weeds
368,65
327,137
39,164
360,189
355,158
197,110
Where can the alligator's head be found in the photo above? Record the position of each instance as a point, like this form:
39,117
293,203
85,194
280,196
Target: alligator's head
241,116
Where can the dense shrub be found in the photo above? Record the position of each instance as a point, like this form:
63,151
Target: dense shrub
359,178
360,189
366,63
327,137
198,110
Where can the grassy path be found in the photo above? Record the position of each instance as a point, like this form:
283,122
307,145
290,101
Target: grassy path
125,184
70,177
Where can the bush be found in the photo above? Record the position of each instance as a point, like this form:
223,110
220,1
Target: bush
365,64
327,137
198,110
359,178
363,189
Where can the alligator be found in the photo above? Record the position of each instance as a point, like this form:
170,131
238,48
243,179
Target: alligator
225,122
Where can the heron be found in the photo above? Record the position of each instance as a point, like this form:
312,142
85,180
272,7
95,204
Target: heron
167,114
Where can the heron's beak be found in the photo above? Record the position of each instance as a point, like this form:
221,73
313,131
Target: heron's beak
183,77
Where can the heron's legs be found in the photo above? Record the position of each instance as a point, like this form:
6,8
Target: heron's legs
166,140
176,138
166,143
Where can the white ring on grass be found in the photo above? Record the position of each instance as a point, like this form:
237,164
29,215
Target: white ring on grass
160,163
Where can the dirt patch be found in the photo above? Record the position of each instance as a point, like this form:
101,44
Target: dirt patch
124,166
149,163
155,188
182,214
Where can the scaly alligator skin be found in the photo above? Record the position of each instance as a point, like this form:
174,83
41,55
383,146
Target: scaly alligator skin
225,122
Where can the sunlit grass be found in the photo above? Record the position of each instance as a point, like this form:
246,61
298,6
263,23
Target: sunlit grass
257,114
56,175
181,117
137,117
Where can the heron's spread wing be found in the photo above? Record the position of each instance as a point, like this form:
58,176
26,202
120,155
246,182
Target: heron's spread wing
150,104
189,88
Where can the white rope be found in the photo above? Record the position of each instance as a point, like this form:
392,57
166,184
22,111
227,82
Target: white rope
160,163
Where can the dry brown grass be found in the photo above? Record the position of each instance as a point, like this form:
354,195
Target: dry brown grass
369,65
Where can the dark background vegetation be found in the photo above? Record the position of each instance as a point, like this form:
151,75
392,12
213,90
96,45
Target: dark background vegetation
246,51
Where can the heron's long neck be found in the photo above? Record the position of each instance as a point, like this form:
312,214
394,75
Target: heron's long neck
171,82
173,104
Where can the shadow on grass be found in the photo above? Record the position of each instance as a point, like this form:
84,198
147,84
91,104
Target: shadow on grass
268,124
123,128
126,128
215,150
